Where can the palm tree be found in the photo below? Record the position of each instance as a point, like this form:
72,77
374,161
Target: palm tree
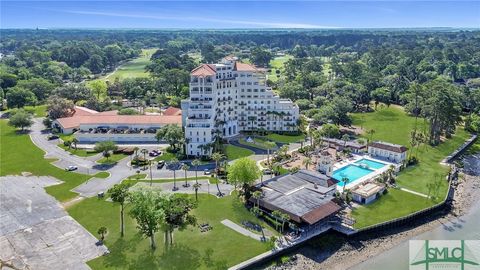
144,152
345,181
173,167
185,167
371,132
74,142
307,162
270,145
217,157
317,140
256,211
276,215
102,231
257,195
391,174
135,150
284,218
196,163
345,139
196,186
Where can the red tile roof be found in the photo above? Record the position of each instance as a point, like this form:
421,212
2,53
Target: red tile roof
83,111
102,119
244,67
172,111
204,70
389,147
114,112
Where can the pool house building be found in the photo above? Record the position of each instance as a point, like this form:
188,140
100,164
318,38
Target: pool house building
388,151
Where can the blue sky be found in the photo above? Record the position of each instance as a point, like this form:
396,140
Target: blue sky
239,14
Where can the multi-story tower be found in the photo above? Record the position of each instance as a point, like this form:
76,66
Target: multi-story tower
230,97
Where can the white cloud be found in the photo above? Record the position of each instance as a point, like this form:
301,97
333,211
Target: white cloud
203,19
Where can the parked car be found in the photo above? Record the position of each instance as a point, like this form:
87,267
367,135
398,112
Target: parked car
71,168
267,171
52,137
207,172
153,154
160,164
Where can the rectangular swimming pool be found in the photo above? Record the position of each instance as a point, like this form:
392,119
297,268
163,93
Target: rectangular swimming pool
370,164
352,172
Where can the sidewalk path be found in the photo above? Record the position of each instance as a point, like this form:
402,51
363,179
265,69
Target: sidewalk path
414,192
234,226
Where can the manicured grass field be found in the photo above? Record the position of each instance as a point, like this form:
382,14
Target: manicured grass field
37,111
394,204
394,125
277,63
235,152
134,68
216,249
131,69
286,138
19,154
40,110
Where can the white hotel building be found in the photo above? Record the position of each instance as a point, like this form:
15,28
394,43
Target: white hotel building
231,97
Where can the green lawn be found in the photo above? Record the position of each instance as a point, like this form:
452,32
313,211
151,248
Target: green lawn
166,156
102,175
394,204
235,152
78,152
40,110
132,69
257,143
394,125
37,111
277,63
114,158
19,154
286,138
217,249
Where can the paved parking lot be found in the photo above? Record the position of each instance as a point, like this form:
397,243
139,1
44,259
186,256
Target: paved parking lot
36,232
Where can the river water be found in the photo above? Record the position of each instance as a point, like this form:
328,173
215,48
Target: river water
466,227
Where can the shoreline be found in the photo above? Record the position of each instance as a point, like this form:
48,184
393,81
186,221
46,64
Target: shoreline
361,248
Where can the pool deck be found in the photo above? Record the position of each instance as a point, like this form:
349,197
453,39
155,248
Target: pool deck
370,176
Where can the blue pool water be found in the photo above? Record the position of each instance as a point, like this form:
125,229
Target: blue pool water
352,172
370,163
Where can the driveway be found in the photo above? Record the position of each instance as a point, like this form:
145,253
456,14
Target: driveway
52,151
